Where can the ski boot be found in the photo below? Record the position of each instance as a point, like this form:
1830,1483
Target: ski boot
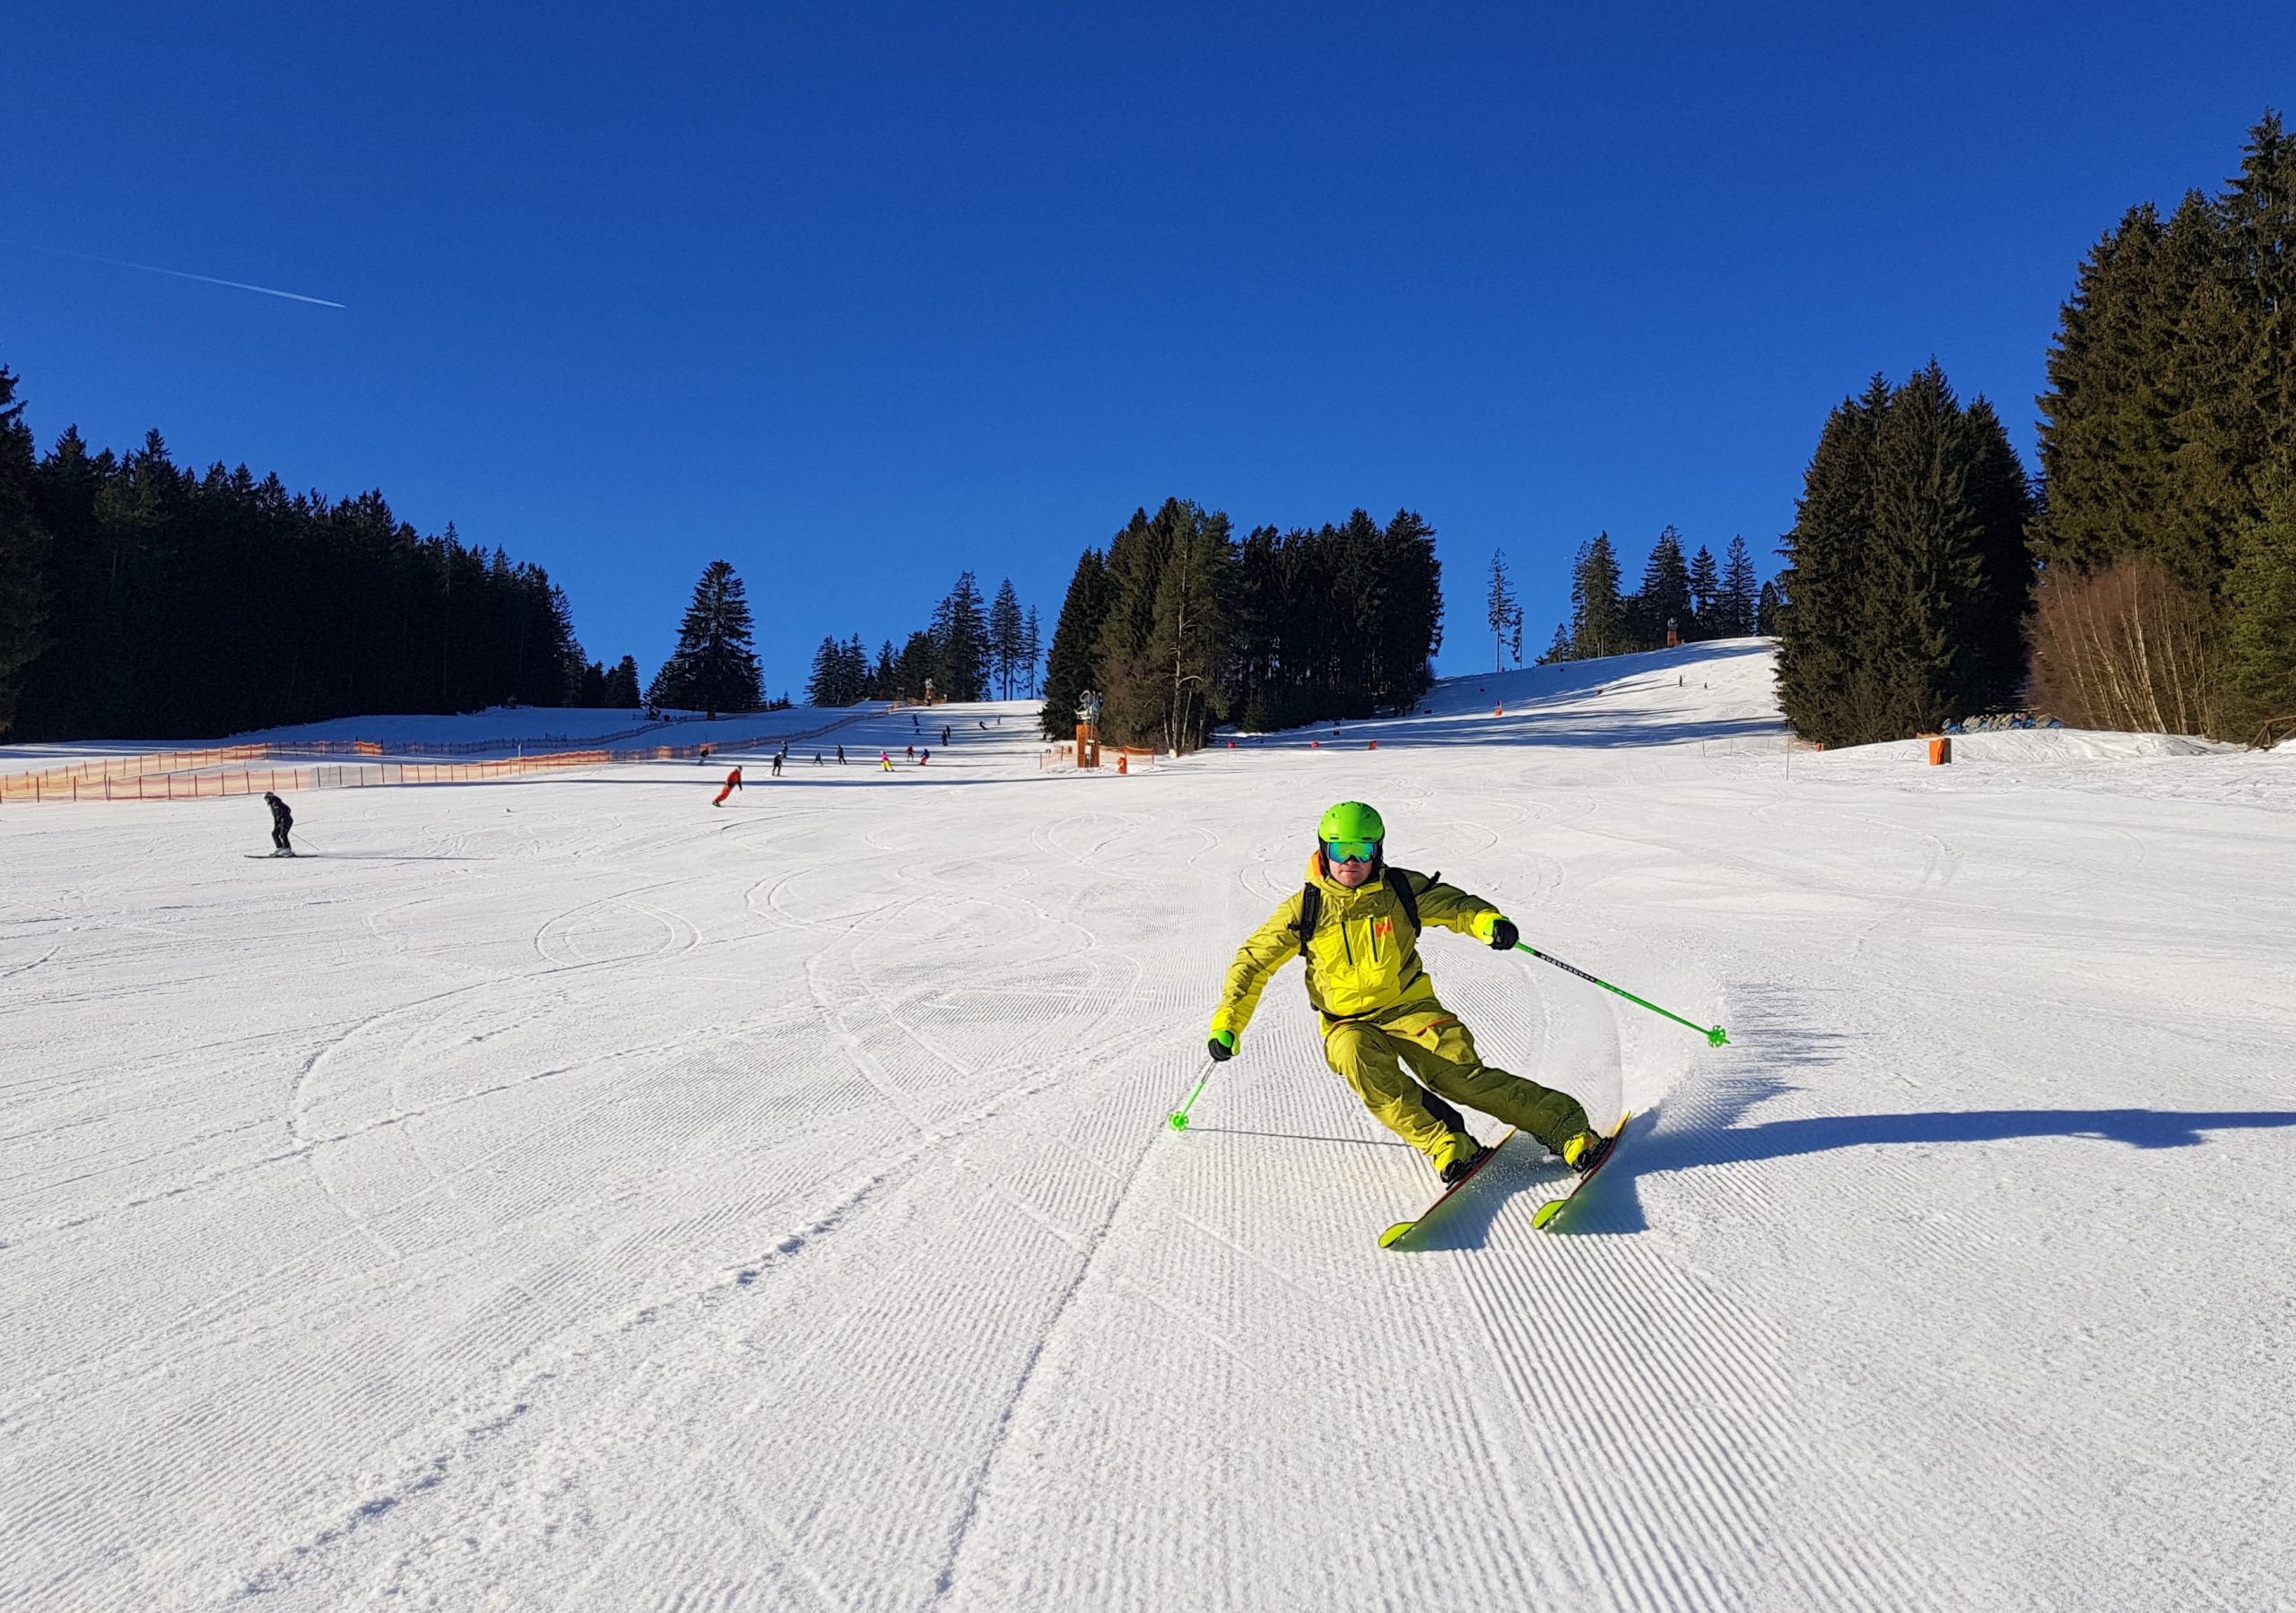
1585,1151
1454,1156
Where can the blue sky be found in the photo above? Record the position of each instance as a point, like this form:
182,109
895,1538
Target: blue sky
858,297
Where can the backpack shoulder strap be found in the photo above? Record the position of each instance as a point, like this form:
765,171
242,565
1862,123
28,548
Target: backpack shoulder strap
1311,909
1411,898
1408,899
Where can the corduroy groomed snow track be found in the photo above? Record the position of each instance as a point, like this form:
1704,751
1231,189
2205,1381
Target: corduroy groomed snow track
560,1194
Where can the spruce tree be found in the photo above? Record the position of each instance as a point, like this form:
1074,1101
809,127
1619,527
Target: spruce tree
1769,610
1148,652
713,668
1597,615
823,686
1070,668
1189,644
1995,617
23,556
2107,444
960,643
1826,681
1909,572
1031,651
2258,622
1005,645
1665,595
1927,546
1735,603
1501,613
622,685
1705,595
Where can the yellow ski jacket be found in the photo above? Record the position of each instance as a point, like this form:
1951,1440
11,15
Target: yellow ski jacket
1363,955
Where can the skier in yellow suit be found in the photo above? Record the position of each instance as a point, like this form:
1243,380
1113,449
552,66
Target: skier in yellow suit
1380,1016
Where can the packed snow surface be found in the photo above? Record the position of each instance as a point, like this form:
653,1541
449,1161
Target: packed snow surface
564,1194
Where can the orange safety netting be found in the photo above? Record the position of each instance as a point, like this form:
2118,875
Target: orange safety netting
196,775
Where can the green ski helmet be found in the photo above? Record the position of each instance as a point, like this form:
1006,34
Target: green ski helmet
1352,820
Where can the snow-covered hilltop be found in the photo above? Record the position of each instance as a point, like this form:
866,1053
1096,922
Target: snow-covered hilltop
561,1192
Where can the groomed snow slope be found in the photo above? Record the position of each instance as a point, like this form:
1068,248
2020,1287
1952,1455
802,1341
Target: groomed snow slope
564,1194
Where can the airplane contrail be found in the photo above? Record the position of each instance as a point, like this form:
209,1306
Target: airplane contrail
237,285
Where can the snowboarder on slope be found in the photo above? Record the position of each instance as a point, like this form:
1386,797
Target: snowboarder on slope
732,783
1380,1012
776,764
281,820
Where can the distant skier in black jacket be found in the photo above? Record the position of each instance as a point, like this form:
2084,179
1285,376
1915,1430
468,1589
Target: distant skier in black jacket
281,820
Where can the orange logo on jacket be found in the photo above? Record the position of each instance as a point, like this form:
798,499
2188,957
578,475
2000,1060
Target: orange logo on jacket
1383,927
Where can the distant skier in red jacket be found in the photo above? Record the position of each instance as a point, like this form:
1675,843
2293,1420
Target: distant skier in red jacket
732,783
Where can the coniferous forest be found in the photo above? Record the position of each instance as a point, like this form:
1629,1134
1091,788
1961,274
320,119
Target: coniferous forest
2169,453
970,652
1177,626
2147,581
139,599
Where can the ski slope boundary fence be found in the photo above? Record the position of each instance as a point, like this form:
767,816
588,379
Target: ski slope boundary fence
226,770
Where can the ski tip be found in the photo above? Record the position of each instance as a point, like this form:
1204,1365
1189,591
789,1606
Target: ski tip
1388,1239
1547,1212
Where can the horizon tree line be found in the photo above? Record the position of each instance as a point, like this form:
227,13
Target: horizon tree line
1700,598
139,599
967,653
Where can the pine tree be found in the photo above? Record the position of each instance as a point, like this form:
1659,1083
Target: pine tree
1070,668
1736,602
1908,574
1153,657
622,685
713,668
1189,644
1930,559
1004,627
1769,610
1597,614
1031,651
24,555
1994,619
1826,681
960,643
1665,595
1705,595
1560,650
1501,613
2259,616
825,684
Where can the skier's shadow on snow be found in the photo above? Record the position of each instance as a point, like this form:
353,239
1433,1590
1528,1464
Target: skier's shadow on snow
1615,1207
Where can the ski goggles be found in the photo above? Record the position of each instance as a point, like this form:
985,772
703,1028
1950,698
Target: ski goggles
1351,851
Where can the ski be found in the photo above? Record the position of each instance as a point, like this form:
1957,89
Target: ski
1403,1229
1545,1214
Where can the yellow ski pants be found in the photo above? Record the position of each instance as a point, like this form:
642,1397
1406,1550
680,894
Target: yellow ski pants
1373,1053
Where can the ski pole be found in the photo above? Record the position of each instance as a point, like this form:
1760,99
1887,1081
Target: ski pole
1715,1036
1178,1118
